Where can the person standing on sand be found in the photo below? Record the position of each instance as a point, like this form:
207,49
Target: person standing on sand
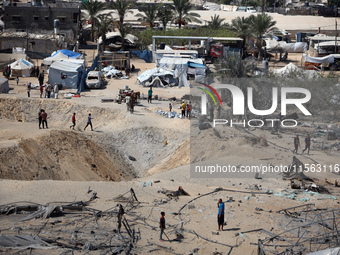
150,95
189,110
183,109
296,144
41,90
44,118
307,144
73,120
17,80
89,122
56,90
220,216
28,89
40,118
162,226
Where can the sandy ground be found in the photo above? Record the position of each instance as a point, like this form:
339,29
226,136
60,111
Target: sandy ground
59,164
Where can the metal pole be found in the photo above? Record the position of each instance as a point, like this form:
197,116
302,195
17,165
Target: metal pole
336,35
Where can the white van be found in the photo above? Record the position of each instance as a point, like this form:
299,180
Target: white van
250,9
94,80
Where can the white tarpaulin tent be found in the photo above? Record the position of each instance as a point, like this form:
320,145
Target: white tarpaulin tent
21,67
148,77
299,47
4,87
319,60
59,56
65,73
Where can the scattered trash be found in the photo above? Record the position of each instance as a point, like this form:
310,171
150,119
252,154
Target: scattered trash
146,184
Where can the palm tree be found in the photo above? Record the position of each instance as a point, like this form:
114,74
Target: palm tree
105,23
260,24
124,29
165,14
240,25
92,8
150,14
182,8
122,7
216,22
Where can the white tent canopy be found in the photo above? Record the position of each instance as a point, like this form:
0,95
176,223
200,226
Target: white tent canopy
4,87
65,73
320,60
60,56
21,67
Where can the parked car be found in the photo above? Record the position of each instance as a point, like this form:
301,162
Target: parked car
250,9
94,80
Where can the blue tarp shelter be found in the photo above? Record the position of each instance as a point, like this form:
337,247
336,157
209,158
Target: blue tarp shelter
143,54
69,53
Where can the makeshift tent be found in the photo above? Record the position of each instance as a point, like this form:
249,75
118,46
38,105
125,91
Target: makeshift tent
147,78
68,53
21,67
319,60
56,57
146,55
298,47
291,68
4,87
67,74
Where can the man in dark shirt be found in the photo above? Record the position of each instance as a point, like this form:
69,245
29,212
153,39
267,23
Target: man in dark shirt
307,143
296,144
162,226
220,216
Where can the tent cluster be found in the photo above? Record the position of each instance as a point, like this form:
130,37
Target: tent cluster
66,68
173,71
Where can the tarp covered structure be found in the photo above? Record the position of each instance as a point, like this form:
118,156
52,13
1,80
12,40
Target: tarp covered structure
291,68
149,77
21,67
299,47
68,74
146,55
68,53
319,60
4,87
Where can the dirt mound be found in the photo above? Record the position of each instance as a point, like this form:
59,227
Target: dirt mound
62,155
180,157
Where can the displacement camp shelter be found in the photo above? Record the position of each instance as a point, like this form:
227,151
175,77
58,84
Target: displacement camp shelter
22,68
68,74
4,87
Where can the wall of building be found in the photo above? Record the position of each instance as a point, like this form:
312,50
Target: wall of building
37,18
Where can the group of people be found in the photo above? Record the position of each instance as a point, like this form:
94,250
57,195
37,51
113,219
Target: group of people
42,117
297,144
49,89
220,218
186,109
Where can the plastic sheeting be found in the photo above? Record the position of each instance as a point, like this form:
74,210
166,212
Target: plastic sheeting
299,47
320,60
153,73
146,55
72,71
68,53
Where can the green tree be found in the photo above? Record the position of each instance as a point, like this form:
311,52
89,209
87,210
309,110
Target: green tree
183,14
216,22
261,23
122,7
105,23
165,14
92,8
240,25
150,14
124,29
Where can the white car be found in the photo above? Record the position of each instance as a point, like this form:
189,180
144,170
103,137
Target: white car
249,9
94,80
